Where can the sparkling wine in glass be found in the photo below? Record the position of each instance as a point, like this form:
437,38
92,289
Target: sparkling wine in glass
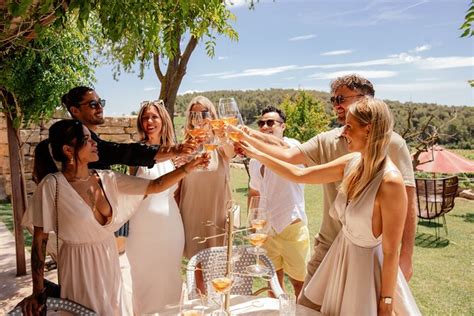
258,218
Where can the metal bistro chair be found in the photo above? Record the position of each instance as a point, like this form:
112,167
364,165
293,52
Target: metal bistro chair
436,198
244,286
58,304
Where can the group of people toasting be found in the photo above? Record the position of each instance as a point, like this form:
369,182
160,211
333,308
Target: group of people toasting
361,261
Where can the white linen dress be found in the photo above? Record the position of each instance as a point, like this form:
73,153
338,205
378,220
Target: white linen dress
155,247
88,263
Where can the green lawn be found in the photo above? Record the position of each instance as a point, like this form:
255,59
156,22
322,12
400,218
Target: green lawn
443,281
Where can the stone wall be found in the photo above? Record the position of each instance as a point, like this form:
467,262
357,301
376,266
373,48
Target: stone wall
117,129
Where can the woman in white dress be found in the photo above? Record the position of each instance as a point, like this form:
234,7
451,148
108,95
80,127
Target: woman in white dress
156,237
360,274
91,205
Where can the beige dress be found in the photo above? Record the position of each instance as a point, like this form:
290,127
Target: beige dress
89,268
203,198
348,280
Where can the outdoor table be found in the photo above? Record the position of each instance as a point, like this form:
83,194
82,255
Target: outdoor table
240,305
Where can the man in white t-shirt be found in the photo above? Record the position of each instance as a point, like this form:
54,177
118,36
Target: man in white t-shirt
288,246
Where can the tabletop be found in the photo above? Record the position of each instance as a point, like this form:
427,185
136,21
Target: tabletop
239,305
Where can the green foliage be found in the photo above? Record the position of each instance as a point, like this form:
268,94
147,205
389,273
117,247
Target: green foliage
466,27
134,31
305,116
41,73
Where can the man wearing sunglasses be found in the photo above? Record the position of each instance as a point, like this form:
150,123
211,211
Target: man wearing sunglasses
330,145
288,247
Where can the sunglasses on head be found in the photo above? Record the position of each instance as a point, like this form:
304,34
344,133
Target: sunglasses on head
338,99
94,104
154,102
270,123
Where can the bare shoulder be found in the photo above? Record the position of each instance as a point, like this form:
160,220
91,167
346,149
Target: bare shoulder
392,182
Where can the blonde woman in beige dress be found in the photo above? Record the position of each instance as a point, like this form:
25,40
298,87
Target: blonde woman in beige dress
92,204
360,274
203,195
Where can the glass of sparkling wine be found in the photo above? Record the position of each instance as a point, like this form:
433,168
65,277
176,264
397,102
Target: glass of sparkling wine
221,283
258,221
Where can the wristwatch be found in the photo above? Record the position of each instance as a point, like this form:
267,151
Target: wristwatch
387,300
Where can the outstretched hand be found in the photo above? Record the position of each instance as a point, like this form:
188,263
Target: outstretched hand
201,161
244,148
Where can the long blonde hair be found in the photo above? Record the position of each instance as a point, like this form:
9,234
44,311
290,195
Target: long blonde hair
203,101
375,112
167,137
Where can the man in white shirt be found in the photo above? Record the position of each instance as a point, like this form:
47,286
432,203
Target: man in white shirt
288,246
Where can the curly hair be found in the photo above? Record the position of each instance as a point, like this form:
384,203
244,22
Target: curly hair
271,109
354,82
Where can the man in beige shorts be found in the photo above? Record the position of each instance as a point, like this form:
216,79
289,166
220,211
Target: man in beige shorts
330,145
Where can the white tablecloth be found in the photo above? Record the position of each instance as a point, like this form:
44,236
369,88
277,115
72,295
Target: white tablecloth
242,305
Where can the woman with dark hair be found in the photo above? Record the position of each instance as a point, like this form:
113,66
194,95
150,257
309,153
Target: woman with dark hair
360,275
91,205
156,237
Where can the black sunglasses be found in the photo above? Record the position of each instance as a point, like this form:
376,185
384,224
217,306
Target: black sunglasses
269,123
338,99
94,104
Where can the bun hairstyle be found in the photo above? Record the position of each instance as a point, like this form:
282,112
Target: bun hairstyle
373,112
74,97
66,132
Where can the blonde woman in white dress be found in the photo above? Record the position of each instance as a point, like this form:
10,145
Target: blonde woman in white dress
156,238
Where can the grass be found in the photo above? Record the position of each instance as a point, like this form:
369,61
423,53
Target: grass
443,281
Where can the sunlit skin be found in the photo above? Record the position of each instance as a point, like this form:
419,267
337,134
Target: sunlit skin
341,109
88,116
152,124
355,134
277,129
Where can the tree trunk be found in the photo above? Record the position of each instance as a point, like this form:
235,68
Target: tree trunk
18,193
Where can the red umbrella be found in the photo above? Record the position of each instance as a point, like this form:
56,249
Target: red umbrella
440,160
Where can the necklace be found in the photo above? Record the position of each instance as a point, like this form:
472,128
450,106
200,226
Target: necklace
79,179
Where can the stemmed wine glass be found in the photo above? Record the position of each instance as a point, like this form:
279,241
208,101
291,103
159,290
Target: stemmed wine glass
221,284
258,218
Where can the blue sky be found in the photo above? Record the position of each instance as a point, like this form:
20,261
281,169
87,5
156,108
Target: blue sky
409,49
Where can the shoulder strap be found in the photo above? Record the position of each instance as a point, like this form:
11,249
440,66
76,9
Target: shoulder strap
57,226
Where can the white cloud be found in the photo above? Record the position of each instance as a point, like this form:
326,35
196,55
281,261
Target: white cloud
337,52
149,88
260,72
302,37
190,91
422,48
445,62
217,74
222,57
372,74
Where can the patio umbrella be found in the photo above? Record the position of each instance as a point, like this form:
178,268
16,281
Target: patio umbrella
440,160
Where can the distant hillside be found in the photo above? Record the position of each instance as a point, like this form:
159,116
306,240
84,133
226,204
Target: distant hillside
458,133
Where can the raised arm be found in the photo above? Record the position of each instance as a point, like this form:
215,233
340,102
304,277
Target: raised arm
266,138
32,304
166,181
393,219
325,173
288,154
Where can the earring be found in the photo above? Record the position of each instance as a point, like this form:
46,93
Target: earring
71,161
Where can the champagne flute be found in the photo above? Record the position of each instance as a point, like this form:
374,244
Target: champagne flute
229,111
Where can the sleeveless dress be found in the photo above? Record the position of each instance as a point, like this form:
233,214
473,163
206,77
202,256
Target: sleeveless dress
88,261
203,197
155,246
348,281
